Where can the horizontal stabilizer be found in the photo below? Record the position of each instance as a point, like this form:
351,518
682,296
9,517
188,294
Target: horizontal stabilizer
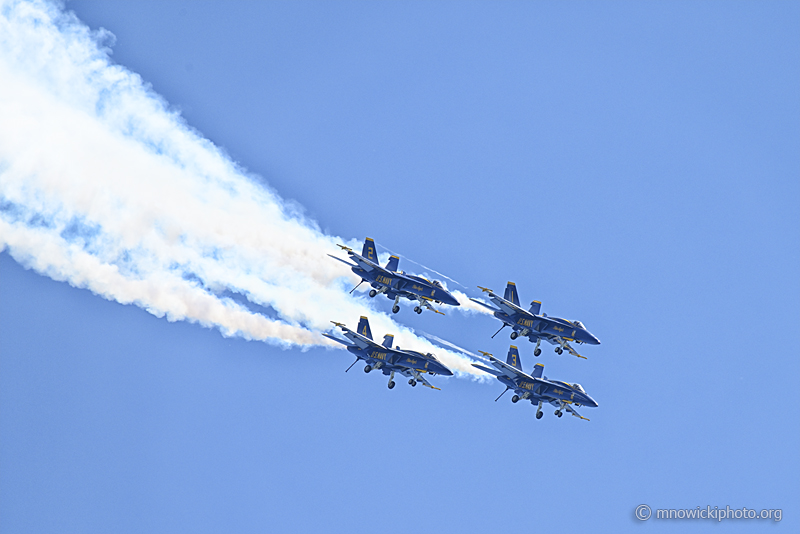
483,304
393,263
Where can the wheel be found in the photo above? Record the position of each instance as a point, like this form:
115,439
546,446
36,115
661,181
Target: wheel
412,382
372,292
391,384
395,309
558,350
514,335
560,414
368,368
515,398
418,310
557,412
539,415
537,352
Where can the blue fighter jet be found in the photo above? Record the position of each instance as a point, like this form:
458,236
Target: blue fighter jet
387,359
528,323
536,388
395,284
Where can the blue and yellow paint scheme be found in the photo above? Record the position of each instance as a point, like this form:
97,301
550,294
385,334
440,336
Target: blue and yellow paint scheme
394,283
535,387
387,359
528,323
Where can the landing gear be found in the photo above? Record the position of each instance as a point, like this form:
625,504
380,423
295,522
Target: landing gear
560,413
372,293
558,350
557,412
537,352
412,382
515,399
514,335
391,384
368,368
395,308
418,309
539,415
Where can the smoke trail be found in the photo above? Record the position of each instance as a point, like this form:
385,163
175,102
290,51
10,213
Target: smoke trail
104,187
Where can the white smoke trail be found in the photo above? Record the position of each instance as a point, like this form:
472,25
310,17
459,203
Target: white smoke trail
104,187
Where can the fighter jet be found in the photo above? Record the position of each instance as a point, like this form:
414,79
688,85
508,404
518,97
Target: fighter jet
387,359
535,327
393,283
536,388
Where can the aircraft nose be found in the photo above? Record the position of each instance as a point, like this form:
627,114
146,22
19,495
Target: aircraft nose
591,402
452,300
593,340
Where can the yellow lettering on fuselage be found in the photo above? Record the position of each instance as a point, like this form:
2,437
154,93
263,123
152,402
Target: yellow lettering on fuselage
525,322
378,355
558,328
526,385
383,280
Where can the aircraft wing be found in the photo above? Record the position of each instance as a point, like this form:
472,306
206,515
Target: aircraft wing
341,260
421,380
495,372
508,370
557,340
340,340
571,410
573,351
358,339
483,304
509,308
364,263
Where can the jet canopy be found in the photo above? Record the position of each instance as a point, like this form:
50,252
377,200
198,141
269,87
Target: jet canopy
579,324
437,283
579,387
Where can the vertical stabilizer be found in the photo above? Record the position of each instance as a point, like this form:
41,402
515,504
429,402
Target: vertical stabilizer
394,261
363,328
511,293
388,339
536,307
513,357
538,369
369,250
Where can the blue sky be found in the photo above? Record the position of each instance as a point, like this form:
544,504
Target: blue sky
631,165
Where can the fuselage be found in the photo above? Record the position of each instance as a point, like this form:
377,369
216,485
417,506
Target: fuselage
548,390
403,284
389,360
537,326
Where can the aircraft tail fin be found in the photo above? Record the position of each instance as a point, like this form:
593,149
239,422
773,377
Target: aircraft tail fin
538,369
369,250
536,307
363,328
393,263
513,357
511,293
388,339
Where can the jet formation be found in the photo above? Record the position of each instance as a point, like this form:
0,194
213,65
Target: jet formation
531,323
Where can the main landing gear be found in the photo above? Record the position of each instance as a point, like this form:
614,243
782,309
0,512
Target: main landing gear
396,307
514,335
515,399
537,351
372,293
368,368
539,413
391,381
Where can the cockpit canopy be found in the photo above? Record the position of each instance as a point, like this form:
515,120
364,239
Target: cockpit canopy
579,324
578,387
437,283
